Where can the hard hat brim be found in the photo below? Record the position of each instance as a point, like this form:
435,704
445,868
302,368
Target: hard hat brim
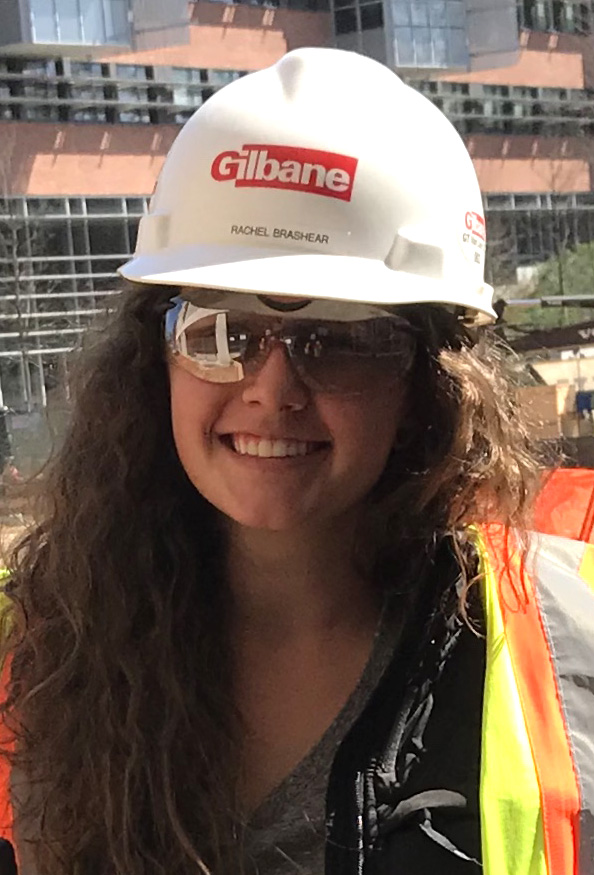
303,275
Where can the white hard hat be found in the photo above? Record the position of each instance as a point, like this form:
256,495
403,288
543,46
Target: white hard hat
323,176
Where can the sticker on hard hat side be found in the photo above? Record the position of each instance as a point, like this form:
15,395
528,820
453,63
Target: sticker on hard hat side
287,167
474,237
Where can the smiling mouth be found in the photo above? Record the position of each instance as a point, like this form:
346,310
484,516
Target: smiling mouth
271,448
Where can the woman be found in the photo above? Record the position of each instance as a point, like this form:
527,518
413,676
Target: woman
244,637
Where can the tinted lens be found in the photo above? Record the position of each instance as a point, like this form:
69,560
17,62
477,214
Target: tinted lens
336,357
355,357
199,340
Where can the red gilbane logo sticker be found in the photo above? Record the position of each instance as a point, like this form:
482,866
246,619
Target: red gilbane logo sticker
475,224
474,237
287,167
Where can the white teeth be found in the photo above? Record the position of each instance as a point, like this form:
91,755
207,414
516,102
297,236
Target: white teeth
279,449
266,449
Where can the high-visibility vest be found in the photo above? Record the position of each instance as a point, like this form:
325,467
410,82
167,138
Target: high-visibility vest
537,752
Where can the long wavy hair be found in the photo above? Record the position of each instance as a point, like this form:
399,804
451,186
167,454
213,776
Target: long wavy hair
120,695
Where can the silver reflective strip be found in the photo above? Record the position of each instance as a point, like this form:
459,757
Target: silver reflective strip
586,861
563,552
567,607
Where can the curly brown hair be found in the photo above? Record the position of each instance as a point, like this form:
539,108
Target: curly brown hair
120,697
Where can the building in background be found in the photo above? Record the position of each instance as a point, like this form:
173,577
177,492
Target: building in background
419,36
92,93
530,129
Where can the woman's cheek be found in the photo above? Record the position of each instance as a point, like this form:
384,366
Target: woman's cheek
364,430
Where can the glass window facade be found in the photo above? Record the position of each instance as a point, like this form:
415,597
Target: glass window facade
560,16
415,33
68,254
492,33
74,91
80,22
513,109
69,21
43,22
81,91
525,229
428,33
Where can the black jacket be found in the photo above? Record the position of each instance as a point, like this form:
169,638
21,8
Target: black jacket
403,791
7,860
403,797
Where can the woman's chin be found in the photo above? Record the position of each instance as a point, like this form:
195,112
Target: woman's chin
269,519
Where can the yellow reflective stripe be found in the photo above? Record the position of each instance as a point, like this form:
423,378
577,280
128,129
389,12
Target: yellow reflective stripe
5,613
5,601
586,571
511,823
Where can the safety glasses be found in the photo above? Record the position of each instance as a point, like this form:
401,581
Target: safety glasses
345,358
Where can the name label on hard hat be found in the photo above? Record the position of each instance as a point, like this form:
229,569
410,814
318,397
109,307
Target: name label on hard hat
287,167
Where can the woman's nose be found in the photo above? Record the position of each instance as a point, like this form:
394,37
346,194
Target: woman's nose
276,384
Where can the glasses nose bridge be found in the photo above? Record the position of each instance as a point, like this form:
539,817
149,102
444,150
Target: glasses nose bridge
276,380
276,337
280,338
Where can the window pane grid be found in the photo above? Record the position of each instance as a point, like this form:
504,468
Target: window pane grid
555,16
430,33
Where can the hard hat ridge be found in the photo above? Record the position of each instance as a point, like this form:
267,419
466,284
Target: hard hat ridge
309,68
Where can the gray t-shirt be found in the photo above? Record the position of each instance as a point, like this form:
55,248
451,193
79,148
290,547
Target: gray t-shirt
286,833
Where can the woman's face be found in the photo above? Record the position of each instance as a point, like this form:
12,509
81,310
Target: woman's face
270,453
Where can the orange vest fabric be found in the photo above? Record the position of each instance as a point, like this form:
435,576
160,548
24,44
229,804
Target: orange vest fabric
565,505
6,742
